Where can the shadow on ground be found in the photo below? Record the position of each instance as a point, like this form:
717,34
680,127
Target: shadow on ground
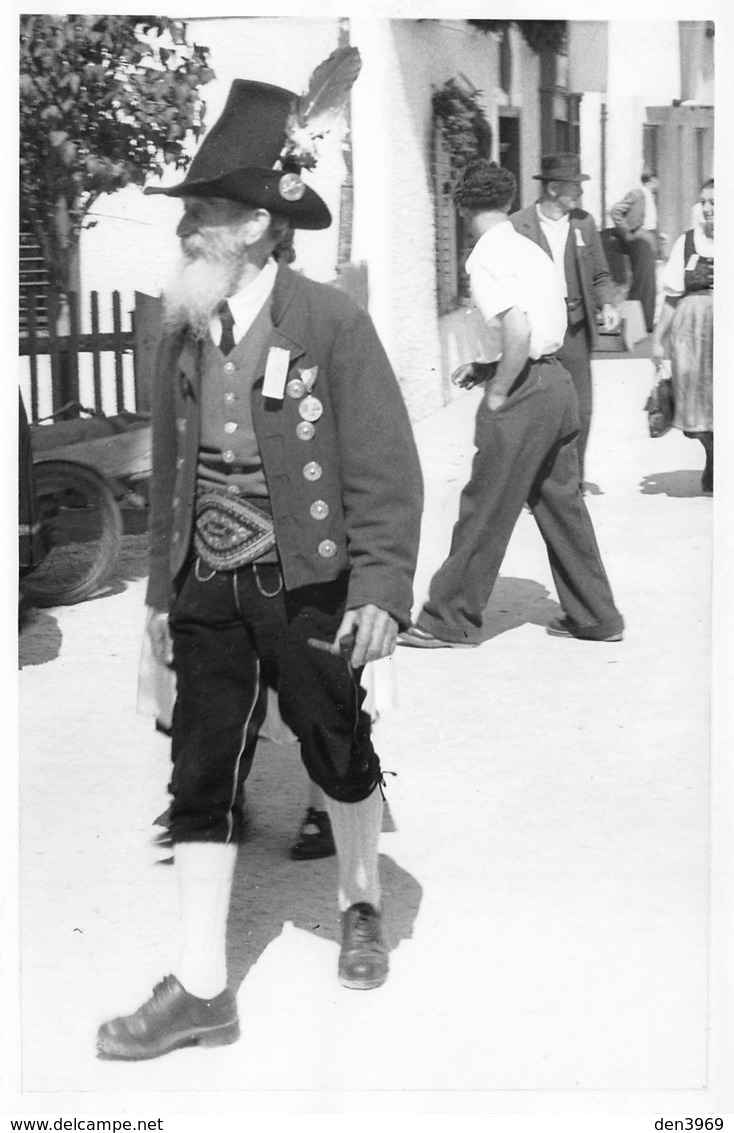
39,636
516,602
130,565
271,889
681,485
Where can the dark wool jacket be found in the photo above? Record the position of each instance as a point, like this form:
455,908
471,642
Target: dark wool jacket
584,242
363,441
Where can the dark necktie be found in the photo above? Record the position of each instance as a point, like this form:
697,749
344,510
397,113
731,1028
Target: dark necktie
227,341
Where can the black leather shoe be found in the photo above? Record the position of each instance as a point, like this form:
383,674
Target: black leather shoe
363,960
562,627
315,838
170,1019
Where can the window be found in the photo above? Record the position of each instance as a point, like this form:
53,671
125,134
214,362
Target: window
650,147
453,241
559,110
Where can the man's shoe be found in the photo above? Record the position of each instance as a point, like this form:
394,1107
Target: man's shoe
315,838
421,639
363,960
170,1019
562,627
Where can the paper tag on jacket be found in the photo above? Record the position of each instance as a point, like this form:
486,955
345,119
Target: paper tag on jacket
693,260
579,239
276,372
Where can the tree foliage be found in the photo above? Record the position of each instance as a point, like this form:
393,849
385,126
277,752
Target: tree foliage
105,101
466,132
540,35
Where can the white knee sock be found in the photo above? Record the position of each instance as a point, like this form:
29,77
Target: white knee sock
205,871
356,829
315,796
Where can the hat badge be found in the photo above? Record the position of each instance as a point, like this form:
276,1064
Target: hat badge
291,187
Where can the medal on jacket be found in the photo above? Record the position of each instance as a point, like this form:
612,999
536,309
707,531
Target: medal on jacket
310,408
276,372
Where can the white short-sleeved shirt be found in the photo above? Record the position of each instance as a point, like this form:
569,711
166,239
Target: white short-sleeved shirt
651,210
556,233
509,270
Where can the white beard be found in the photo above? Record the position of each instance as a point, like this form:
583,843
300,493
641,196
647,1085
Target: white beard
202,279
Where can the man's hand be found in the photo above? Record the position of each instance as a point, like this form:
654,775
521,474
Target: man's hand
610,317
375,632
160,637
465,376
495,400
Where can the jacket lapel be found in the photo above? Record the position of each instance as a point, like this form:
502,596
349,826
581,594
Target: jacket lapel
289,322
189,368
534,231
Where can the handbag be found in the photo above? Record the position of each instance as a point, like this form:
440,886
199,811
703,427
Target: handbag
660,406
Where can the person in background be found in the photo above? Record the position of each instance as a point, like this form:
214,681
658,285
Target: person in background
286,502
685,330
635,218
526,429
569,235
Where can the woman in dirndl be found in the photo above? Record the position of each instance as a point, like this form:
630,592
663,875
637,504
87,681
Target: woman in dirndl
685,330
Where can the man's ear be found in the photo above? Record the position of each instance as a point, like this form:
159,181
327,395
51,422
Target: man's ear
256,225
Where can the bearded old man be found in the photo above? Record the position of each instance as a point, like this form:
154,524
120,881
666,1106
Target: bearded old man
285,521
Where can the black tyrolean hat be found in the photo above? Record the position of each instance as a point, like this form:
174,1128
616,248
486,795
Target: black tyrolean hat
560,167
240,158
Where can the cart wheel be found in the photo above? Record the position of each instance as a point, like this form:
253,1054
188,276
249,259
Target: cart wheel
81,529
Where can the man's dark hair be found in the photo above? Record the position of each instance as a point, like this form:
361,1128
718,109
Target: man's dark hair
483,186
282,233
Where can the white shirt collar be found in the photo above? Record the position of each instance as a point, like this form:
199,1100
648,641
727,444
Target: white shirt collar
247,303
560,222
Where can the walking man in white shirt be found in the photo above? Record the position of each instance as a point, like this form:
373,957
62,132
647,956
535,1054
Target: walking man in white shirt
526,429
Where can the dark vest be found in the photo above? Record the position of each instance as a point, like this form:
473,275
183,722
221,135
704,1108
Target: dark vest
229,455
700,277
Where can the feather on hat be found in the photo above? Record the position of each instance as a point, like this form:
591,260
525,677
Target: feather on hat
321,108
265,135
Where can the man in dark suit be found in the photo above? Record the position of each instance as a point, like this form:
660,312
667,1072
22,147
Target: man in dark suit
570,237
635,218
285,521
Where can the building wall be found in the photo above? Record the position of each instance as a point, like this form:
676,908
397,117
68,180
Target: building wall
643,69
394,212
394,217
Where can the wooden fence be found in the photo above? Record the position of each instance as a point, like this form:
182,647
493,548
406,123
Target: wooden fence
137,341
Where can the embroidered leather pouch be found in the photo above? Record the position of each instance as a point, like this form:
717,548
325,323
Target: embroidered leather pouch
230,532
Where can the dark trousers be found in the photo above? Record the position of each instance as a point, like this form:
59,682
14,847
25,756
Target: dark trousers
526,453
575,356
642,252
234,634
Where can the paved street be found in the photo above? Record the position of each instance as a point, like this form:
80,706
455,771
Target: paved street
546,853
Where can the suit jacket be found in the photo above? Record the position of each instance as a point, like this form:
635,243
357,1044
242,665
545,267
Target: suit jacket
584,244
629,214
370,476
